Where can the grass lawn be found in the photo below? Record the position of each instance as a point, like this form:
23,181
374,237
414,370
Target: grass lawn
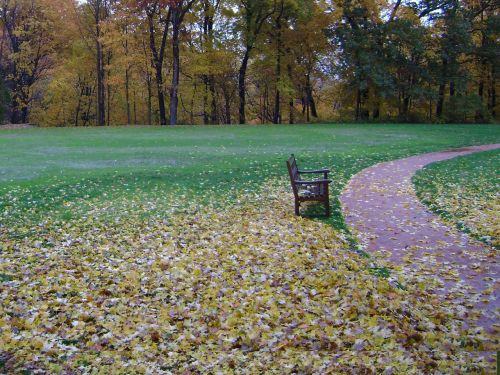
44,169
172,250
465,191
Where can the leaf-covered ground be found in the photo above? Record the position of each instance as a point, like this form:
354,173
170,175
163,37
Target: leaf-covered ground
387,218
136,249
247,288
466,192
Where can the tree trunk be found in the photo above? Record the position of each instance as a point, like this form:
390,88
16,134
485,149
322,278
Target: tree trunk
358,104
205,100
134,101
108,89
309,97
178,14
440,102
493,93
77,114
400,106
24,115
108,107
90,95
150,100
277,108
480,93
365,113
376,105
127,95
241,85
161,94
9,25
213,113
255,16
206,43
209,79
430,110
277,95
101,110
291,118
176,23
406,106
79,103
157,57
127,77
227,106
15,115
442,88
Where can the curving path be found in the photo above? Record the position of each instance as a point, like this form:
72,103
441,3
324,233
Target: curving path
381,208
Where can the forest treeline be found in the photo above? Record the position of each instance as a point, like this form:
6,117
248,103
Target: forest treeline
114,62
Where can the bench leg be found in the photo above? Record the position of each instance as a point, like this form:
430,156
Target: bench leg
327,208
297,205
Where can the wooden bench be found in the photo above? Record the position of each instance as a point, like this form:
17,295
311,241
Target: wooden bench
308,190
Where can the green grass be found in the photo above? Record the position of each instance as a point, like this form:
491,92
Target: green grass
465,191
56,172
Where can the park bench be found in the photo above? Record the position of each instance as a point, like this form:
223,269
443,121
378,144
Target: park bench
308,190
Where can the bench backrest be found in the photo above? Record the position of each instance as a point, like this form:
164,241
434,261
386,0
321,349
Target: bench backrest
293,171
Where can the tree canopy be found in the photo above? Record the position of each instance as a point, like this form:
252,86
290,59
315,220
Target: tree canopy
114,62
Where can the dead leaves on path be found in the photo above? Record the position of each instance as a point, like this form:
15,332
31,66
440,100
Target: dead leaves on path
465,191
247,288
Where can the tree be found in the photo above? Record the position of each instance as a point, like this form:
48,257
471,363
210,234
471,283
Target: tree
157,17
99,11
253,14
4,99
178,11
112,61
27,30
210,9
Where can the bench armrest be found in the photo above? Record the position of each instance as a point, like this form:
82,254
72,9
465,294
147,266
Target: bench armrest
312,182
315,171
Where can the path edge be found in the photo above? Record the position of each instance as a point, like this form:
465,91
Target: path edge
495,146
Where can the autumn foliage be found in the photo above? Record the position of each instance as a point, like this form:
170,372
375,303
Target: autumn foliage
239,289
102,62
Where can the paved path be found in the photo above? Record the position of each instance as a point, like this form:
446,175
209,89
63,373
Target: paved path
381,208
